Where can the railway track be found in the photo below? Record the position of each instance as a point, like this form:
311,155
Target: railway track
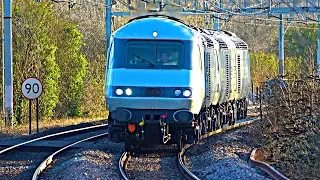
267,168
49,159
55,135
123,165
179,158
21,160
157,164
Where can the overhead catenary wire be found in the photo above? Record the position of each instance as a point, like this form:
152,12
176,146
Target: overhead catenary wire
85,2
223,16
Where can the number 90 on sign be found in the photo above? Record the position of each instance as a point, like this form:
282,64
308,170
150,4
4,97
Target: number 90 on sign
31,88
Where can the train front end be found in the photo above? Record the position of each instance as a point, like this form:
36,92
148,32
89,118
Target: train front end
154,84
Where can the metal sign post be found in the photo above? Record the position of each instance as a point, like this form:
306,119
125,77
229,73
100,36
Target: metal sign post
31,89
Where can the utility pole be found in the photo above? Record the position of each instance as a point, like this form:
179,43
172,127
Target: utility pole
281,50
318,49
7,61
108,24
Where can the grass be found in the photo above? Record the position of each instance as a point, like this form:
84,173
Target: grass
23,129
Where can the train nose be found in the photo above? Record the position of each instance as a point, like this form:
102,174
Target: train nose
183,116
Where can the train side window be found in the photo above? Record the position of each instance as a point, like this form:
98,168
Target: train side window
200,58
216,58
110,55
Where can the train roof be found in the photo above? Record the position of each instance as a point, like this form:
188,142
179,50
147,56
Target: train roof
165,28
168,27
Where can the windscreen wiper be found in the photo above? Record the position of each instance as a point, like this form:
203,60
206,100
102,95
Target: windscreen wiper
143,60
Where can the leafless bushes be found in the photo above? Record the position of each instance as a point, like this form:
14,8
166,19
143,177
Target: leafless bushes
290,127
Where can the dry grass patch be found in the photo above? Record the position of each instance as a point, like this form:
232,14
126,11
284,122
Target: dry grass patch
44,125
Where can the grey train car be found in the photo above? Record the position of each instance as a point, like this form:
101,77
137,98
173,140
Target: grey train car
169,83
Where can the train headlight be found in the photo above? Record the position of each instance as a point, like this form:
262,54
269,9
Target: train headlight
177,92
128,92
187,93
119,92
155,34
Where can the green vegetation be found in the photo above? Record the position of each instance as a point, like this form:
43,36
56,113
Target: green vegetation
74,70
302,44
50,46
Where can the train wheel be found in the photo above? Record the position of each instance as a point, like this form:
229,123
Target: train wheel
199,130
210,125
204,124
204,127
214,119
219,120
225,119
239,111
235,114
230,118
245,111
110,124
214,124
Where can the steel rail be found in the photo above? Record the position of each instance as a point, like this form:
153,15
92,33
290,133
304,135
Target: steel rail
273,173
223,129
49,159
184,170
52,135
122,165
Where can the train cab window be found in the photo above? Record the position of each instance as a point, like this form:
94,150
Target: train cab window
168,55
154,54
139,54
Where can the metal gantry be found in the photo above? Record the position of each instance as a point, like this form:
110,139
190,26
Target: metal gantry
289,11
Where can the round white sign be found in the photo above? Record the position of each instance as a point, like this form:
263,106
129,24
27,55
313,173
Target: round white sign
31,88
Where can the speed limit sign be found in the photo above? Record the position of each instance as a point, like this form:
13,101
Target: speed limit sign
31,88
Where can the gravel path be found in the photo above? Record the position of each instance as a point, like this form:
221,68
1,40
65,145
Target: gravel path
224,156
22,167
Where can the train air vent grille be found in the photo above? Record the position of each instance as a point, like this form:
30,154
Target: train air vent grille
222,44
227,76
209,41
239,73
240,44
209,78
